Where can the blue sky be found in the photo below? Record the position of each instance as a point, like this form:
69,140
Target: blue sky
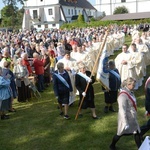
2,5
92,2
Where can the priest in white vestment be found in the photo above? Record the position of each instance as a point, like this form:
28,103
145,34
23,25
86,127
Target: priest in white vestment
121,62
74,51
143,48
80,55
136,65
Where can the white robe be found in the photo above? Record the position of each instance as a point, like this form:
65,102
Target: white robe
143,48
123,69
136,68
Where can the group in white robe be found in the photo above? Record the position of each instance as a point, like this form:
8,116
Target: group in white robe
136,65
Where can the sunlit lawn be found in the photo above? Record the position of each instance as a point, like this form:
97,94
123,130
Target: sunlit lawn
37,125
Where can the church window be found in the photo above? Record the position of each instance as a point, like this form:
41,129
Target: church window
50,11
46,26
35,15
68,11
75,12
53,25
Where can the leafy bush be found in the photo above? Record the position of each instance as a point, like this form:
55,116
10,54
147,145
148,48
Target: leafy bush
120,10
97,23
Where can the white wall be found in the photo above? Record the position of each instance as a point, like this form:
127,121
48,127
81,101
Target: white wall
144,6
43,6
40,3
48,17
50,26
132,5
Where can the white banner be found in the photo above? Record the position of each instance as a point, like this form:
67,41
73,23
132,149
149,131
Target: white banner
102,71
146,144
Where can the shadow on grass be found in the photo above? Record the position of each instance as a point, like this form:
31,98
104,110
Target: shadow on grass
37,126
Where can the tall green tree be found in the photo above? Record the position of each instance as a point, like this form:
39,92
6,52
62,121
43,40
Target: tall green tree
120,10
9,16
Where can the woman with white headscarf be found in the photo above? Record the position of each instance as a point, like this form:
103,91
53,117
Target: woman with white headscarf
21,73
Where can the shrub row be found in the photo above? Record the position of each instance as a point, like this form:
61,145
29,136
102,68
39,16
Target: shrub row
97,23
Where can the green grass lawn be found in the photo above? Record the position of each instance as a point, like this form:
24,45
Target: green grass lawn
37,125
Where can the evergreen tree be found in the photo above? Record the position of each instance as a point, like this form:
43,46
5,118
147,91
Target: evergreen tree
120,10
80,18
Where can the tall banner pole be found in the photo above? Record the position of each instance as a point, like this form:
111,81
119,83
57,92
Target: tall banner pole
95,65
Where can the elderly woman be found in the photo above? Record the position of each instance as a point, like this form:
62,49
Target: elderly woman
70,67
5,95
21,73
81,80
5,57
26,62
62,88
5,73
127,114
39,71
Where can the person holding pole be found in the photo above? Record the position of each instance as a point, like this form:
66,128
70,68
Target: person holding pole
82,78
83,95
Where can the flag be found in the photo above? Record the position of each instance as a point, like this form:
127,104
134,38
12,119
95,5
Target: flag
145,145
27,11
102,71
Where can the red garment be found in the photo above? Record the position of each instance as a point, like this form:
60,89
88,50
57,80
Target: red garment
38,66
27,64
73,42
52,53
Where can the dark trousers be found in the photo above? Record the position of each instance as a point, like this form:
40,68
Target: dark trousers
40,82
145,128
137,139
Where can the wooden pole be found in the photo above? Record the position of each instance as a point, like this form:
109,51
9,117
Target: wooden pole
95,64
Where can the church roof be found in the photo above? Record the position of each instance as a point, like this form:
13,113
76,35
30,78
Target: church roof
77,3
141,15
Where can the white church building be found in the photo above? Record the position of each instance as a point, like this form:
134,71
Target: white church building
43,14
133,6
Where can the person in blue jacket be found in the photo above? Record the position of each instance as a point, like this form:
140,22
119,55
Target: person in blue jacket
62,88
114,85
6,71
5,95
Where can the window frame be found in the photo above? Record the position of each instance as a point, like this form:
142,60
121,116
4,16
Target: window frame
50,11
35,14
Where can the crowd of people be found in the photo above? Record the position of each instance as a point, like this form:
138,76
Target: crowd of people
66,58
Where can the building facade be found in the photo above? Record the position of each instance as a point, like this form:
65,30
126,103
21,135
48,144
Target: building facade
133,6
43,14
